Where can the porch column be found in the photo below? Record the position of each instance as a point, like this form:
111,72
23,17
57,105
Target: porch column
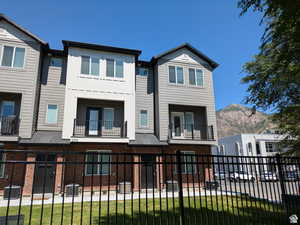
136,173
59,174
29,175
159,173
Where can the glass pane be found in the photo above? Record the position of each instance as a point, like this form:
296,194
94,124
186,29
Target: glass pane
19,57
95,66
7,56
8,108
85,65
192,76
110,70
93,122
1,165
105,167
189,121
179,75
189,159
108,118
52,114
56,62
199,75
143,71
93,167
119,69
144,118
172,78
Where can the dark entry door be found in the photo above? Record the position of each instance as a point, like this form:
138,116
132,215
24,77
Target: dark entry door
148,174
44,174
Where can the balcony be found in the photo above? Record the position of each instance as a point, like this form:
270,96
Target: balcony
191,132
100,128
9,126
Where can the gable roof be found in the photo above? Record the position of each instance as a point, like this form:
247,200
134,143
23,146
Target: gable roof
101,47
8,20
212,63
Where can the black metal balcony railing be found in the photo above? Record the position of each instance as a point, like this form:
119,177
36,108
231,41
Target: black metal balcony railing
9,125
99,128
191,131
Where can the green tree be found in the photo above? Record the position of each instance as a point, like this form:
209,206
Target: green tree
273,75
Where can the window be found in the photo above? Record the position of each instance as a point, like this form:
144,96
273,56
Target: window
56,62
271,147
237,148
143,71
101,163
52,114
257,148
176,75
13,57
89,65
7,108
108,118
189,121
196,77
144,118
249,146
222,150
114,68
188,159
2,159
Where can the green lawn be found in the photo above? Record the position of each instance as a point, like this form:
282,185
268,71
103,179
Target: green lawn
198,210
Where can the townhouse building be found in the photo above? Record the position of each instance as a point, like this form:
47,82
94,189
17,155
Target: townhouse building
90,97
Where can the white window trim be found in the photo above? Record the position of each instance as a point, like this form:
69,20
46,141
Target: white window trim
13,57
185,165
90,66
176,80
2,173
115,67
140,120
196,84
98,167
47,107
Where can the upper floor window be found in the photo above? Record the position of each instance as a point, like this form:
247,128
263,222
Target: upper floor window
108,118
221,150
89,65
13,57
52,114
56,62
114,68
144,118
249,145
176,75
143,71
257,148
196,77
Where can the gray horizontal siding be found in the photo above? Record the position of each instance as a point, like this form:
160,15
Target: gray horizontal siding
144,101
52,92
23,81
183,94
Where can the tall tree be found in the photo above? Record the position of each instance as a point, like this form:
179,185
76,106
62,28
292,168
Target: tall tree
273,75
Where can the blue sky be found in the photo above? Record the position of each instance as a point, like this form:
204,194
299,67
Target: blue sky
212,26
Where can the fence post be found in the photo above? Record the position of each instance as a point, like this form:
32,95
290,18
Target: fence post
180,193
281,178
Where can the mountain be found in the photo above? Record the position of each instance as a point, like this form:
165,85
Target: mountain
234,119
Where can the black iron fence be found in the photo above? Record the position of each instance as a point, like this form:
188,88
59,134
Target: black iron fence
127,188
9,125
99,128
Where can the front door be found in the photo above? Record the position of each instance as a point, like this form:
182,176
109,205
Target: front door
148,174
44,174
94,121
177,119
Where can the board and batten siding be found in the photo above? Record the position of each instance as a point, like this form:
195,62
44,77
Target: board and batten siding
21,80
53,85
144,101
183,94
